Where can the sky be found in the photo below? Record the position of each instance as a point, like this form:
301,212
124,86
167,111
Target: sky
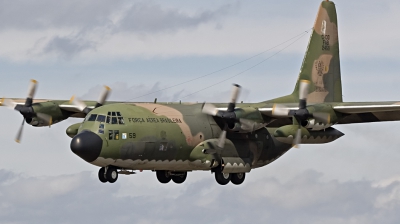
142,48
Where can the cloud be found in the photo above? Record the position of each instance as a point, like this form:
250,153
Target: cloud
121,91
149,18
47,14
68,29
305,198
66,47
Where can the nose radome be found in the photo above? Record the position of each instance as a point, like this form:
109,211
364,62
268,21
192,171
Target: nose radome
87,145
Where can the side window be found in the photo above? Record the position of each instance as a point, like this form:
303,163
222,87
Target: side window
110,135
116,135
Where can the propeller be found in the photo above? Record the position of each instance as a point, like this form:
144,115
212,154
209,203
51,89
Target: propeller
301,114
26,109
100,102
227,116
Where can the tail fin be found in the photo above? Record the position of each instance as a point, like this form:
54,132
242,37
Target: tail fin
321,64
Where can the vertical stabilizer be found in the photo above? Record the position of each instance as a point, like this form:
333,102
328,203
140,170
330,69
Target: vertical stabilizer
321,64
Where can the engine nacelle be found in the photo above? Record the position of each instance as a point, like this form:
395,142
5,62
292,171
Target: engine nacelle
50,108
287,133
314,125
249,119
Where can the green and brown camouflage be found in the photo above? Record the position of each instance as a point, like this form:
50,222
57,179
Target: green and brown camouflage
173,139
321,63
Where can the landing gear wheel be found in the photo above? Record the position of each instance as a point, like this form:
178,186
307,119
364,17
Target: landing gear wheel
102,175
222,178
238,178
111,174
163,176
179,178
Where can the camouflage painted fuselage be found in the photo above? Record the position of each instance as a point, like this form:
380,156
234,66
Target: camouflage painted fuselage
172,136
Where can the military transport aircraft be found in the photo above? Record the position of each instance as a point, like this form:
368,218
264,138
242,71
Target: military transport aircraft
228,139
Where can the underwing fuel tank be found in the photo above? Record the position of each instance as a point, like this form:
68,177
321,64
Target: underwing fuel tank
286,134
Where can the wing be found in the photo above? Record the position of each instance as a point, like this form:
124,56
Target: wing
368,112
347,113
50,105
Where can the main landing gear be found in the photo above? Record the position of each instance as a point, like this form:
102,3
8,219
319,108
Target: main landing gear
225,178
108,174
165,176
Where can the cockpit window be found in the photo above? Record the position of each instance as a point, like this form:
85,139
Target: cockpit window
115,117
92,117
101,118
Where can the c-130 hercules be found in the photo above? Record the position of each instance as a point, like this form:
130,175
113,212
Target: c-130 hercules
227,139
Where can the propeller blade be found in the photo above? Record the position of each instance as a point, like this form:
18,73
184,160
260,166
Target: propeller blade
103,96
19,134
8,103
303,89
297,139
32,89
45,117
221,140
280,110
235,94
209,109
323,117
77,102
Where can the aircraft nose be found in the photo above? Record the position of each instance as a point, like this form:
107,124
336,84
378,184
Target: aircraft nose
87,145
